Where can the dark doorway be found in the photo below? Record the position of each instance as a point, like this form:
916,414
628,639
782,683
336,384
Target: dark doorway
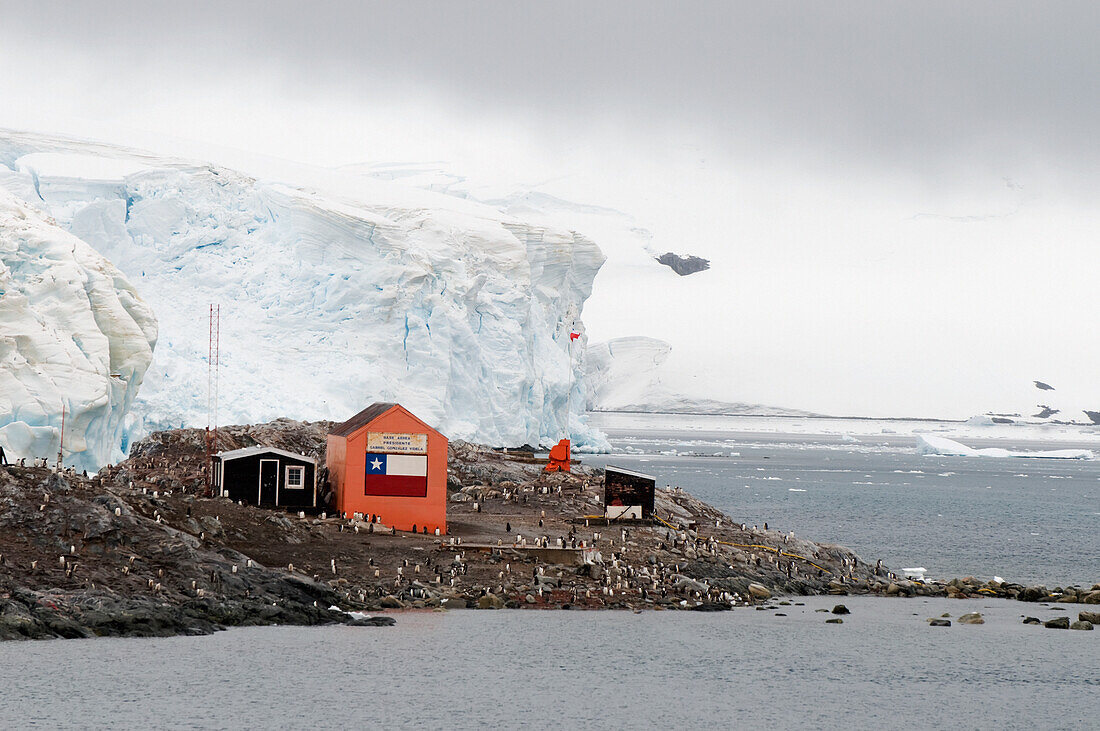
269,481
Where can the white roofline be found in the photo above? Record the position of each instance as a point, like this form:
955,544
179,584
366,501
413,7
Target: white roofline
259,449
632,473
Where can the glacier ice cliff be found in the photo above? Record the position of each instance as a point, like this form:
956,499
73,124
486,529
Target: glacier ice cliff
335,291
74,337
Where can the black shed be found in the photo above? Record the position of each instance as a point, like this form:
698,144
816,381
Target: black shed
267,476
628,494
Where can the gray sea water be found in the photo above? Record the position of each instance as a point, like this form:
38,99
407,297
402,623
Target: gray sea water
883,668
1026,520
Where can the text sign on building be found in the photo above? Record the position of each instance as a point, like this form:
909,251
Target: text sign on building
397,443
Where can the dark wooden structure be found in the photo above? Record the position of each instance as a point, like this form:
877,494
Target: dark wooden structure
628,494
267,476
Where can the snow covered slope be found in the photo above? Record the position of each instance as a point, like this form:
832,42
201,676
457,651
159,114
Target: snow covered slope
623,374
74,335
627,374
336,290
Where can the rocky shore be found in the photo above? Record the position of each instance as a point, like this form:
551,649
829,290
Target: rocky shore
137,551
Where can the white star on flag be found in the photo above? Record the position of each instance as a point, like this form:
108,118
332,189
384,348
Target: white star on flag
376,464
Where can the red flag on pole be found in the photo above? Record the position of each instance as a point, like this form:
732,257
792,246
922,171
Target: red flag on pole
573,336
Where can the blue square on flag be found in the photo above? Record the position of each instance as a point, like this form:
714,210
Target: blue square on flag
396,475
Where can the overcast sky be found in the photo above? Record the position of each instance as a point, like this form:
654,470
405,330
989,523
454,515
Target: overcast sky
928,162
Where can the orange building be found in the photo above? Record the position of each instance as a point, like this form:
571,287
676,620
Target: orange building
385,462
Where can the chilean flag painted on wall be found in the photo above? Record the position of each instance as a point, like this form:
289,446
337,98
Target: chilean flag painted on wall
396,475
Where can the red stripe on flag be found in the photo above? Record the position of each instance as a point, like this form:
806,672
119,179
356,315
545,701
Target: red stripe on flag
396,486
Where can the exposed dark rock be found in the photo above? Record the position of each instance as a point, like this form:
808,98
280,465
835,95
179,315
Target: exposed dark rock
1033,594
711,607
1032,620
683,265
1081,625
939,623
841,609
1057,623
374,622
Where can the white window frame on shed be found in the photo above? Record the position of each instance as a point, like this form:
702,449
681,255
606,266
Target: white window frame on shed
301,471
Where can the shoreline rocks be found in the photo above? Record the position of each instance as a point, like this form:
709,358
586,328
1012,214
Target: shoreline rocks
136,550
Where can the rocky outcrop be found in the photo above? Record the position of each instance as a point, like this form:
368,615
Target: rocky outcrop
136,549
684,265
84,557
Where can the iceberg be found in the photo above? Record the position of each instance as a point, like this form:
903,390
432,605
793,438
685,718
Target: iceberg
76,340
336,291
942,446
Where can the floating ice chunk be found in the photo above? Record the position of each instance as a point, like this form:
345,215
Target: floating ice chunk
932,445
915,573
353,614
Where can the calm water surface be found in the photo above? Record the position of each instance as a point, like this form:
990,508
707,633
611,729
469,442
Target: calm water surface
884,667
1026,520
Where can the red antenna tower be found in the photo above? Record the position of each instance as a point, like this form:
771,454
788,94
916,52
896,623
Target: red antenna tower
212,363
